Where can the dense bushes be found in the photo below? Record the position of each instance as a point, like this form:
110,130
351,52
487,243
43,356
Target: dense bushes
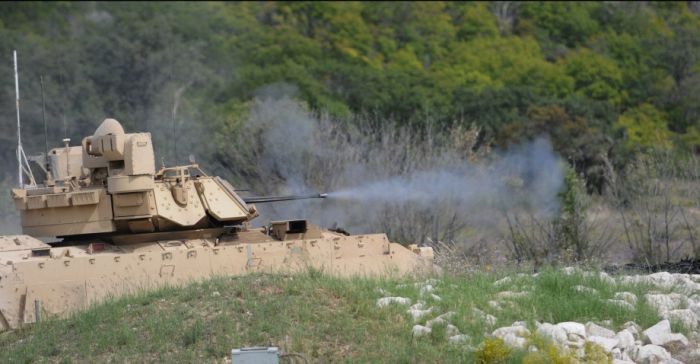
605,83
592,76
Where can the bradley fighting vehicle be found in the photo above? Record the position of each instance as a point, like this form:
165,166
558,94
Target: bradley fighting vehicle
122,226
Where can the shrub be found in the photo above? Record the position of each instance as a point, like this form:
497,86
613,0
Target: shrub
492,351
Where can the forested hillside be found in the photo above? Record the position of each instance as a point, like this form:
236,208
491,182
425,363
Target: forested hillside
598,78
604,82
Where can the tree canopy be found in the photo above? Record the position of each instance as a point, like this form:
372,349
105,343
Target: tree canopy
598,78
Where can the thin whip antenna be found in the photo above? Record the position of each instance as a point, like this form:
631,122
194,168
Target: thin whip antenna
63,108
19,133
46,134
22,162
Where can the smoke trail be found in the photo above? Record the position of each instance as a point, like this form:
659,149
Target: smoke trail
473,185
389,180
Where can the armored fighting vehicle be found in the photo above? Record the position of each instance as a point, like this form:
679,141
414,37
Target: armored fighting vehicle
118,226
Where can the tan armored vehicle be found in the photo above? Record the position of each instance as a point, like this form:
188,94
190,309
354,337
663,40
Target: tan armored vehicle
123,226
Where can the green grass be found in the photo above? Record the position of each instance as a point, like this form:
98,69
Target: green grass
326,319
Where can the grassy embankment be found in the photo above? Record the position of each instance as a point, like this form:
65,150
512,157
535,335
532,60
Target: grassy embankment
323,318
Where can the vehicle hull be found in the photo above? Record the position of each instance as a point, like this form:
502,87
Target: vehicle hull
66,279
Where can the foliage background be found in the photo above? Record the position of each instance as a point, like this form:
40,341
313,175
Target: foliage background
608,78
603,81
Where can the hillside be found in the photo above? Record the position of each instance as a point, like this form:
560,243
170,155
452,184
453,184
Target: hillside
329,320
598,78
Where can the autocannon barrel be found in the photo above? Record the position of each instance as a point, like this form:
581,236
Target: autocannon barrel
264,199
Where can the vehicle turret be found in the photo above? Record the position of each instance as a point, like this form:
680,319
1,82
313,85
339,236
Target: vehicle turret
109,185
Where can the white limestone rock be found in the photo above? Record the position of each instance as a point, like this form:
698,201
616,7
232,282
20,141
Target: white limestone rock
515,330
663,303
513,336
676,341
661,279
597,330
502,281
520,323
443,319
420,330
483,316
673,361
386,301
628,297
625,340
621,303
652,354
420,305
490,320
419,314
633,328
693,356
695,307
685,316
573,328
436,321
452,330
586,290
605,342
687,285
657,334
571,270
616,353
606,278
575,336
661,335
514,341
554,333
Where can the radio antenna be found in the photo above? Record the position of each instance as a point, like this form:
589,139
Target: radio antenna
22,162
46,134
61,84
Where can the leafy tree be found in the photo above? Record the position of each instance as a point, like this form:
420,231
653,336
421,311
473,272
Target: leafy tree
646,127
570,23
475,20
595,76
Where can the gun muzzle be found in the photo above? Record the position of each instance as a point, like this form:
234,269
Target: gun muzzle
265,199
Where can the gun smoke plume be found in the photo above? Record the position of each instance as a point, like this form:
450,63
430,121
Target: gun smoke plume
386,178
470,184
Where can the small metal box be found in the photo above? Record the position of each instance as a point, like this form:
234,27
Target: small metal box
258,355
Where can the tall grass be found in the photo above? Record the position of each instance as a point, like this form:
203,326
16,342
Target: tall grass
323,318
